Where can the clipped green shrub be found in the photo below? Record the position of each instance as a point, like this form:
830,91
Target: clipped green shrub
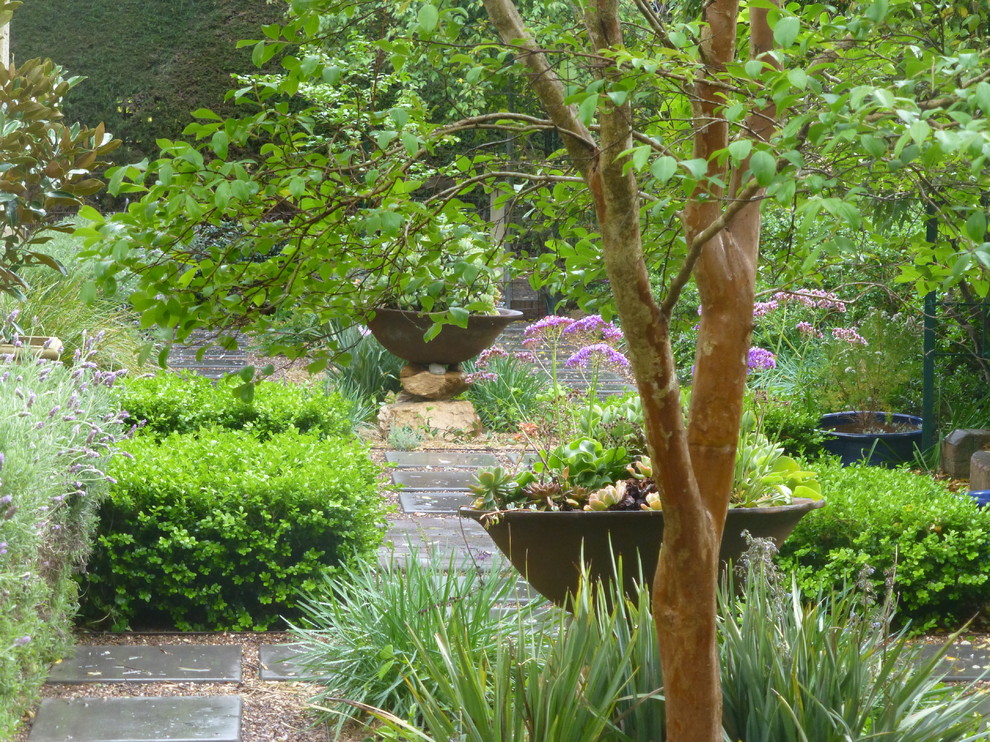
57,431
183,403
220,530
936,543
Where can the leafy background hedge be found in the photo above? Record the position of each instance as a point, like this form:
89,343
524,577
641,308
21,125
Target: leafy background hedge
218,530
182,403
156,60
935,542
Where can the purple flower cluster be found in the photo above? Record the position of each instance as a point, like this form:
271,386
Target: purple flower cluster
849,335
480,376
811,298
806,328
597,354
548,329
592,328
760,359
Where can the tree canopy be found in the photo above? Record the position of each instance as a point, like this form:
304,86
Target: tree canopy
645,143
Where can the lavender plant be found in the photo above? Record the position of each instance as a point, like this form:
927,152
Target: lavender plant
59,429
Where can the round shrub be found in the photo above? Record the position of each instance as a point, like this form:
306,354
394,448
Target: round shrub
935,543
182,403
220,530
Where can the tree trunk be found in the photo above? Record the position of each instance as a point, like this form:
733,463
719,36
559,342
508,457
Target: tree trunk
695,463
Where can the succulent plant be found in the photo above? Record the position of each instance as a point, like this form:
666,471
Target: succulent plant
652,502
607,497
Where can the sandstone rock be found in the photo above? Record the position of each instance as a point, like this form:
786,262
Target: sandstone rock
436,418
958,447
979,471
423,382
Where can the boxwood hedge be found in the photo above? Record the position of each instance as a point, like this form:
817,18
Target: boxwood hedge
933,542
219,530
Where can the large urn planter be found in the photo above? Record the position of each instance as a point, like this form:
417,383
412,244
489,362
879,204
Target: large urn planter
876,438
547,547
401,333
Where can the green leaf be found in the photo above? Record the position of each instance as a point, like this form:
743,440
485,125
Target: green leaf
219,144
798,78
763,166
785,33
982,95
245,392
205,113
740,149
641,156
428,17
411,142
877,11
618,97
698,167
400,116
920,131
976,226
663,168
586,111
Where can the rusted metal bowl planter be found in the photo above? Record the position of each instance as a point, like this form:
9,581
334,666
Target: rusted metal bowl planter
401,333
547,547
890,440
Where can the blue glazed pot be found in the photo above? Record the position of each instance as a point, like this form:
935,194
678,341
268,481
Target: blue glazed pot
982,497
873,448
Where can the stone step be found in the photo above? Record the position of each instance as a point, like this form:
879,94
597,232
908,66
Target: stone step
459,539
185,663
434,480
146,719
436,502
449,459
963,661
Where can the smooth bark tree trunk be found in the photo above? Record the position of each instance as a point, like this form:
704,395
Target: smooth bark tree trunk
696,461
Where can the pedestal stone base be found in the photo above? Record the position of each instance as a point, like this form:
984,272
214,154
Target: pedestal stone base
424,382
433,418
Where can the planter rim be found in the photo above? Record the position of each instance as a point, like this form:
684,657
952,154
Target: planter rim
502,312
838,418
475,514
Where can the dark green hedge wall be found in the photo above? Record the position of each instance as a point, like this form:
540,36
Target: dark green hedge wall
148,63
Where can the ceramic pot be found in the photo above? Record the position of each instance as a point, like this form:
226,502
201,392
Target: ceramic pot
401,333
875,447
547,547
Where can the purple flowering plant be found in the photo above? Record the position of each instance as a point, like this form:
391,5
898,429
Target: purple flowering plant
557,347
59,428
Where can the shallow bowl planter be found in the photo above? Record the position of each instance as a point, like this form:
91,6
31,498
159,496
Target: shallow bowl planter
547,547
401,333
38,346
874,447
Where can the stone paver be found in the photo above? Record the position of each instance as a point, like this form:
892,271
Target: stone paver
278,662
146,719
434,501
434,480
962,662
180,663
426,459
444,536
